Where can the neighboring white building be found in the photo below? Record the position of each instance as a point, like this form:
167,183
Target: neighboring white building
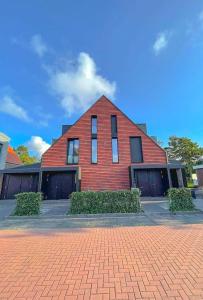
4,142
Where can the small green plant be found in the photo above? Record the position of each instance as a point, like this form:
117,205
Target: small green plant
27,204
105,202
180,199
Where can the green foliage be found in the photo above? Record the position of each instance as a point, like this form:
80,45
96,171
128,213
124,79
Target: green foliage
185,150
180,199
28,204
24,155
105,202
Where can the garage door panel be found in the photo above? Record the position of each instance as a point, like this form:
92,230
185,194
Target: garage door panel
151,182
18,183
58,185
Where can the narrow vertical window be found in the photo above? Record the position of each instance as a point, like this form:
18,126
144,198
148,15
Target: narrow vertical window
94,139
114,139
94,125
94,151
73,151
115,150
114,126
136,149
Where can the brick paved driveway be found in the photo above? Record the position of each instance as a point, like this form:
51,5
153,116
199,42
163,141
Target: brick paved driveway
155,262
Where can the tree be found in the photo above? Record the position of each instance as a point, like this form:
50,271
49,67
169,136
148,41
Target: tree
24,155
185,150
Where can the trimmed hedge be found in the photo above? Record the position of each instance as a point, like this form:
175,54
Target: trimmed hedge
28,204
180,199
105,202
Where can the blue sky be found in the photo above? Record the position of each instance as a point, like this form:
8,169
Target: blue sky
58,57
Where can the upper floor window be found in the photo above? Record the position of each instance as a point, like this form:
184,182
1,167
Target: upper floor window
114,126
94,151
94,140
114,139
114,150
73,151
136,149
1,146
94,125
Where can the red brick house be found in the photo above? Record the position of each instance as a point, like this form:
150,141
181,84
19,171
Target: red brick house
104,150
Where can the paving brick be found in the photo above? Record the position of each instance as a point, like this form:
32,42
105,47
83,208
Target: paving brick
103,263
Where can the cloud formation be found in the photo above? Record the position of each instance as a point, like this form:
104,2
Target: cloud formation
161,42
37,145
79,85
38,45
10,107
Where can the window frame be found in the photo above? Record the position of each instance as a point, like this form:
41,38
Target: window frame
93,134
114,138
114,133
92,162
94,137
68,148
141,148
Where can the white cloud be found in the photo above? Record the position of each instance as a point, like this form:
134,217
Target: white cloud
37,145
38,45
79,85
161,42
9,106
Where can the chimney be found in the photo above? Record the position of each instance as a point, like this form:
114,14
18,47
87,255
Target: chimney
65,128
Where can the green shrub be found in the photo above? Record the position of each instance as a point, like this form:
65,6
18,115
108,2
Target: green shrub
28,204
180,199
105,202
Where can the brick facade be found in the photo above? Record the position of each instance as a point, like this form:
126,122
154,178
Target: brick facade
104,175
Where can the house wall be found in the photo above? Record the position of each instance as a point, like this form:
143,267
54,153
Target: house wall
200,177
3,154
104,175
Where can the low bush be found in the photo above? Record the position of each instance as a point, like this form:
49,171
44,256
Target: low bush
28,204
180,199
105,202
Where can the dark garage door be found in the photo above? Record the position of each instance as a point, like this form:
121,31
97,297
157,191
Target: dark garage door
18,183
58,185
152,182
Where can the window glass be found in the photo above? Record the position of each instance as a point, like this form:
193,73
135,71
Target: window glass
114,126
94,151
73,151
115,150
94,125
136,149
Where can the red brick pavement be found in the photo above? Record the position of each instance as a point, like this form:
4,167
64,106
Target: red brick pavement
103,263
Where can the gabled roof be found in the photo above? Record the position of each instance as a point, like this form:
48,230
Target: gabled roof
12,157
102,98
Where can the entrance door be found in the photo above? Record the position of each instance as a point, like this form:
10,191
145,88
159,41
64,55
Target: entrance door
58,185
150,182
